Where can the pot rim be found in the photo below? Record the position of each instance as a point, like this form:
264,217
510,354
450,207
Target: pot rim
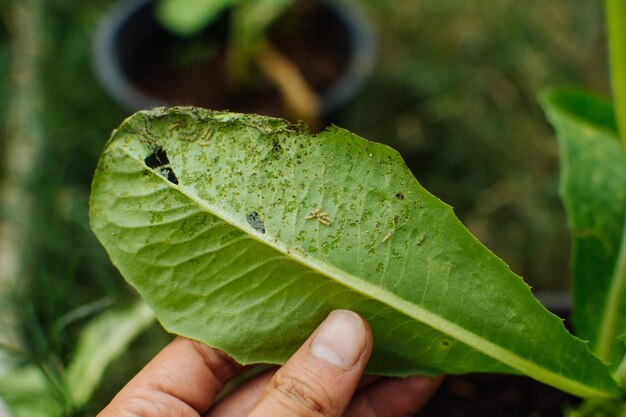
108,68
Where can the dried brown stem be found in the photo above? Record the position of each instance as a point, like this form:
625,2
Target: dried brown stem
300,101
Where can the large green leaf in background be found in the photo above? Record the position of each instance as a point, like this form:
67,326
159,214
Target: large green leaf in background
593,189
244,232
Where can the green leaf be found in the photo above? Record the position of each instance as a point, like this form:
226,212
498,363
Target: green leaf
244,232
188,17
101,342
28,393
593,190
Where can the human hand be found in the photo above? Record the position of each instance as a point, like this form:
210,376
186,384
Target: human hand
322,379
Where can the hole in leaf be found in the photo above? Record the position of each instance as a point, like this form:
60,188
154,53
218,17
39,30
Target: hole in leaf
168,173
157,159
254,220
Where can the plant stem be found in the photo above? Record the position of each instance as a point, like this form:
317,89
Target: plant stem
616,28
608,326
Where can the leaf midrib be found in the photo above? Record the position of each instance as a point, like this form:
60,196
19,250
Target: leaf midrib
399,304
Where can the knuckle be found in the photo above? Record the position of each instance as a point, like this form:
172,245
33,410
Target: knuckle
295,391
135,407
144,404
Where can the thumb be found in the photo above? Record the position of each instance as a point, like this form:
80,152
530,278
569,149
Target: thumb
321,377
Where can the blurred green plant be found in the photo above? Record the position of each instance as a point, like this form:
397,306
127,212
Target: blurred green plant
593,189
248,46
36,389
593,184
249,22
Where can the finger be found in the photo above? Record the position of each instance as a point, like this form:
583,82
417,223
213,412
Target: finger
182,380
393,397
321,377
241,401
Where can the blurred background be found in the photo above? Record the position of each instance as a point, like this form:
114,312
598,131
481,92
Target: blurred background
454,89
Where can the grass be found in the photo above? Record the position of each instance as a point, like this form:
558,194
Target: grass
454,91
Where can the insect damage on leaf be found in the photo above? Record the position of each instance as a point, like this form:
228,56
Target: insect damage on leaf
159,161
255,220
205,280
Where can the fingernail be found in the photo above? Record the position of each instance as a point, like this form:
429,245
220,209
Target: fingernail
340,340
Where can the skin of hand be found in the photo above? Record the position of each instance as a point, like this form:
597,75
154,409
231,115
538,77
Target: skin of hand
324,378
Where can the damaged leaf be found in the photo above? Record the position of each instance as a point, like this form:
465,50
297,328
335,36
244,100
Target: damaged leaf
344,225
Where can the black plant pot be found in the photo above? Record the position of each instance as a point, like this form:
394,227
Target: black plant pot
138,61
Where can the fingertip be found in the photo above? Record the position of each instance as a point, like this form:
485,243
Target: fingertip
343,339
322,376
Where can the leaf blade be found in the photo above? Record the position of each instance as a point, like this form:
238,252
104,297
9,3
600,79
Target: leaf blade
393,252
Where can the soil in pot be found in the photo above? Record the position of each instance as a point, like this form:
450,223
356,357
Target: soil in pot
488,395
193,71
